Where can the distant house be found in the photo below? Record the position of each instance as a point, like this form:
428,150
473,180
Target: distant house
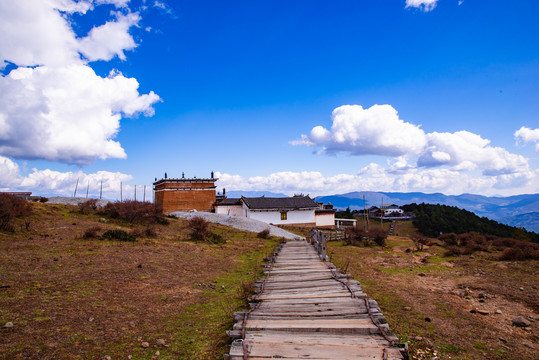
392,210
385,211
281,211
20,194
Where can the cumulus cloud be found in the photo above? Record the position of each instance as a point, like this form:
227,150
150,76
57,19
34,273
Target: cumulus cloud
425,5
466,150
524,135
51,183
377,130
66,114
111,39
53,105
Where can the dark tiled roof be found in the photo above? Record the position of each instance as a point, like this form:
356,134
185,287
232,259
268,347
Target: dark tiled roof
287,203
229,201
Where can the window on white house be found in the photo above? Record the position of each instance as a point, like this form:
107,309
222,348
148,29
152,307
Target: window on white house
283,215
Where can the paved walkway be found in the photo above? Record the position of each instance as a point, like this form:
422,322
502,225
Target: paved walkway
305,309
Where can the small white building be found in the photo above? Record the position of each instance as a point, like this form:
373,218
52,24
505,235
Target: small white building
392,210
325,218
232,207
281,211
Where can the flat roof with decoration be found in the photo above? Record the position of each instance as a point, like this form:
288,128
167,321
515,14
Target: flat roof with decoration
185,180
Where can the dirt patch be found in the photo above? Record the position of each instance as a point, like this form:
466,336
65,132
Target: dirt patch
449,308
74,298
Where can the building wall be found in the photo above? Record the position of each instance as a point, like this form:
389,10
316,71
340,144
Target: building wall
232,210
274,217
185,200
325,219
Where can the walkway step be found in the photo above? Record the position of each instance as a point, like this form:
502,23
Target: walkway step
305,309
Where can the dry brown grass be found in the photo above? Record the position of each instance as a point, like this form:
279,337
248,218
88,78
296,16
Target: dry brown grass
412,286
71,297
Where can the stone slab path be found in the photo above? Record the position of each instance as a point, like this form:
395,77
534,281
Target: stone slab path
306,309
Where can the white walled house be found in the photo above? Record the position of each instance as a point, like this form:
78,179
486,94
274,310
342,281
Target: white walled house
232,207
392,210
281,211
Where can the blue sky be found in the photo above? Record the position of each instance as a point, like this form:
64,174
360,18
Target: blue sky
316,97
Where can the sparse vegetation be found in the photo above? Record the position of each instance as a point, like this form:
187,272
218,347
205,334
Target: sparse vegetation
106,297
264,234
118,235
357,235
12,207
88,206
134,212
91,232
199,229
412,286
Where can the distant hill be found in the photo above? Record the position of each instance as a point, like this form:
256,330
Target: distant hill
507,210
530,221
238,194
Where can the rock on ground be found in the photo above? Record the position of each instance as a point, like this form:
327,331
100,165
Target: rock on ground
65,200
238,223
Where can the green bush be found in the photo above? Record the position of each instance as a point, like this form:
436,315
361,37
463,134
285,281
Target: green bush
118,235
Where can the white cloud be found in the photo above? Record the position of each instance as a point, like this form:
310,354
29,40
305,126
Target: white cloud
35,33
66,114
117,3
374,177
59,109
54,183
523,134
111,39
425,5
464,149
377,130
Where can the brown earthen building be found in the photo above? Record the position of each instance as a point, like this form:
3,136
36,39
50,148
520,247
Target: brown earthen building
184,194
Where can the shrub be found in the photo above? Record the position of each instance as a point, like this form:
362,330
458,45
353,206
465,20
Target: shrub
119,235
378,235
449,239
91,232
148,231
357,235
198,228
133,211
264,234
419,241
10,208
519,253
88,206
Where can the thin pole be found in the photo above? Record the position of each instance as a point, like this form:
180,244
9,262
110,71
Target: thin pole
76,186
135,192
87,189
381,210
144,196
121,192
101,191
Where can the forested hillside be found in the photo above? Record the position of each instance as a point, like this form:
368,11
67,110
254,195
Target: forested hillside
431,220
